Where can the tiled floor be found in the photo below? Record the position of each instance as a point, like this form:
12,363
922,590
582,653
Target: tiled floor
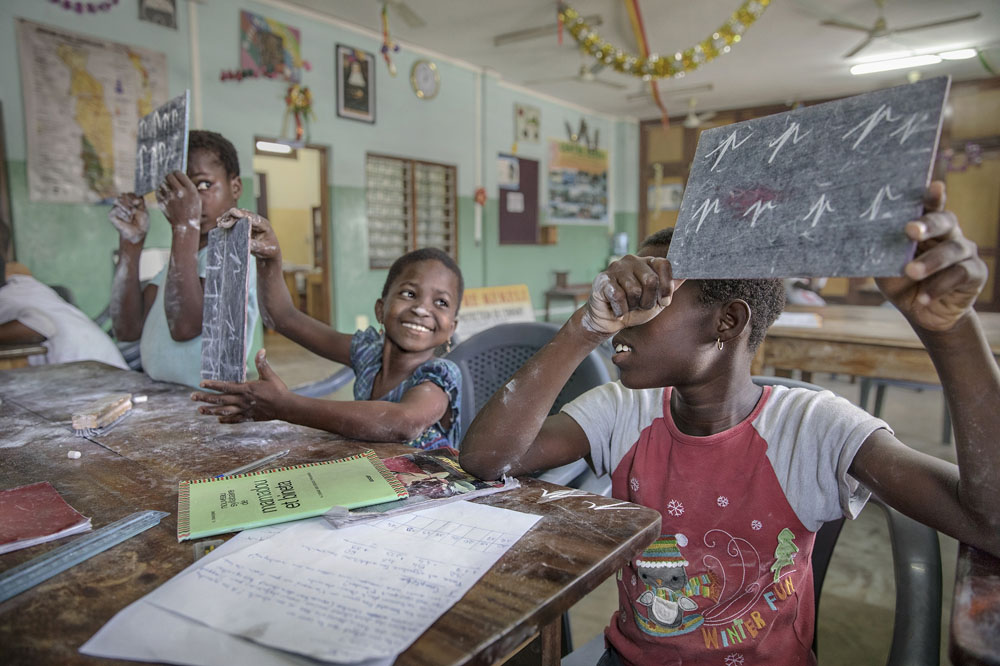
856,612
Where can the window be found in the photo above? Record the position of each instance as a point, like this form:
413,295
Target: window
411,204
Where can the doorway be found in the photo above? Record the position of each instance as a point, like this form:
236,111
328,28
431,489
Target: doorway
291,184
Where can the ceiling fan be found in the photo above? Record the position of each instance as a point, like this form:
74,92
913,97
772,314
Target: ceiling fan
541,31
881,28
666,92
585,75
693,119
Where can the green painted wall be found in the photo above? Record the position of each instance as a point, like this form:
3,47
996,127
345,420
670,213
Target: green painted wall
71,244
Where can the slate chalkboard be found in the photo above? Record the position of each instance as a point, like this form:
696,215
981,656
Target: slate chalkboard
162,142
820,191
224,308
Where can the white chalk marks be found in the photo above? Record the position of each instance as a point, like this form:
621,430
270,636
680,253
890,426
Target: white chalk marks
161,144
821,206
866,126
758,208
910,125
729,144
791,133
884,192
705,209
809,191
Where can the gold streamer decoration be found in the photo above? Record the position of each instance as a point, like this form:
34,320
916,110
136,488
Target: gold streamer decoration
657,66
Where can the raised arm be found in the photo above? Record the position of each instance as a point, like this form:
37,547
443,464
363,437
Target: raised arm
276,305
371,420
183,290
937,296
513,434
129,304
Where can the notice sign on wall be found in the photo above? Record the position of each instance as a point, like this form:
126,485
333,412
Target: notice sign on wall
484,307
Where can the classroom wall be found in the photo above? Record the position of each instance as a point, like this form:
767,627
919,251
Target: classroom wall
71,244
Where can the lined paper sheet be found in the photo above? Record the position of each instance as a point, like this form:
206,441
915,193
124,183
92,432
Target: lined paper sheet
349,595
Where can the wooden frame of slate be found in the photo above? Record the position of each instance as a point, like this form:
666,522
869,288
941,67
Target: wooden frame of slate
161,143
224,308
821,191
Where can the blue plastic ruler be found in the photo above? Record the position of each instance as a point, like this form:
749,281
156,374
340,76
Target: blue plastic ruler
28,574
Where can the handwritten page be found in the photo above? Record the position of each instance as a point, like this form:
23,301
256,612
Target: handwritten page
359,593
143,631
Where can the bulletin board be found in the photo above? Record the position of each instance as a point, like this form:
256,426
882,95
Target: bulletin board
517,180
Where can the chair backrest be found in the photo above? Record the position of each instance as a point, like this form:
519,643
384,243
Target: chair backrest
916,563
489,358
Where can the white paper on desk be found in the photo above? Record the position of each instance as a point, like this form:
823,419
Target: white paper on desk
358,593
799,320
144,632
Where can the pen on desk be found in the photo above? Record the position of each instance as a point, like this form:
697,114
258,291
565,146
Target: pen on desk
255,464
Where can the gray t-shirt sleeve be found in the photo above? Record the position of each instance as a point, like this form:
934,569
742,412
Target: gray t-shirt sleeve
812,438
613,417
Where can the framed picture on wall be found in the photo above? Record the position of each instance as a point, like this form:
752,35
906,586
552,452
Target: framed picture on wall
355,84
160,12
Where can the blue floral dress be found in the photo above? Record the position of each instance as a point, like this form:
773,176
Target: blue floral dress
366,359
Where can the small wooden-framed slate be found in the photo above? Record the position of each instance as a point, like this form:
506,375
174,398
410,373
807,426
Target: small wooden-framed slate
161,143
820,191
224,313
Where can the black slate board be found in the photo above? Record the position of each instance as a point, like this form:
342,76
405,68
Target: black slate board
820,191
224,308
161,144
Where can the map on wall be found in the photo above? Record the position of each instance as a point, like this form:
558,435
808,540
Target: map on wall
83,98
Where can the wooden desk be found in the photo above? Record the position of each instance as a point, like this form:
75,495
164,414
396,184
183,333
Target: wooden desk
858,340
16,355
975,610
578,293
137,464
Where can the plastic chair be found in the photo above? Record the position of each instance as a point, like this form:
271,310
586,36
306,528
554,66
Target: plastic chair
489,358
916,563
882,384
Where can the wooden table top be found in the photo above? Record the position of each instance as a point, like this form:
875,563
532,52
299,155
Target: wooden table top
21,350
874,325
137,465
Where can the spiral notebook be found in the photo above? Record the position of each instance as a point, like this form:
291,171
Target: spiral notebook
228,504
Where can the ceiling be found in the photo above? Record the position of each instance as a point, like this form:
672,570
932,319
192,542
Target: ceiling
786,56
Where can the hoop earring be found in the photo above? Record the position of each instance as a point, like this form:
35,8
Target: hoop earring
381,330
447,346
719,343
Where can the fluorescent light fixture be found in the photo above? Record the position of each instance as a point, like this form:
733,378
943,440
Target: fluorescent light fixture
958,54
271,147
897,63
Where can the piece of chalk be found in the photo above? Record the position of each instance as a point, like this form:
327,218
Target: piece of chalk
139,398
73,454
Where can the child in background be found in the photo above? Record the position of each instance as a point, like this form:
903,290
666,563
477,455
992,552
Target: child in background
31,312
742,475
402,391
166,314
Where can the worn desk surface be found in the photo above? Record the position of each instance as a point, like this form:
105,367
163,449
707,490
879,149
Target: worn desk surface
576,292
861,340
137,466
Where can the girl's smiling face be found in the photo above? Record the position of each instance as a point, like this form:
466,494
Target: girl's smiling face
419,312
218,192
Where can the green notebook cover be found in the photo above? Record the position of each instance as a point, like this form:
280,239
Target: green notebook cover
219,505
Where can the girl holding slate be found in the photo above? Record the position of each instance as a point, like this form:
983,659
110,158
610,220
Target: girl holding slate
402,391
743,475
166,313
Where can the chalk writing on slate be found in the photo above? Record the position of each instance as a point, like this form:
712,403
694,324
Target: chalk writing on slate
224,313
162,142
820,191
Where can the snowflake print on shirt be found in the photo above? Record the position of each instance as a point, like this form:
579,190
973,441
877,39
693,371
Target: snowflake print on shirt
734,659
722,501
675,508
756,525
634,483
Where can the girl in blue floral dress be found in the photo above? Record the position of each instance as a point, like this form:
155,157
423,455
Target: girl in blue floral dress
402,391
